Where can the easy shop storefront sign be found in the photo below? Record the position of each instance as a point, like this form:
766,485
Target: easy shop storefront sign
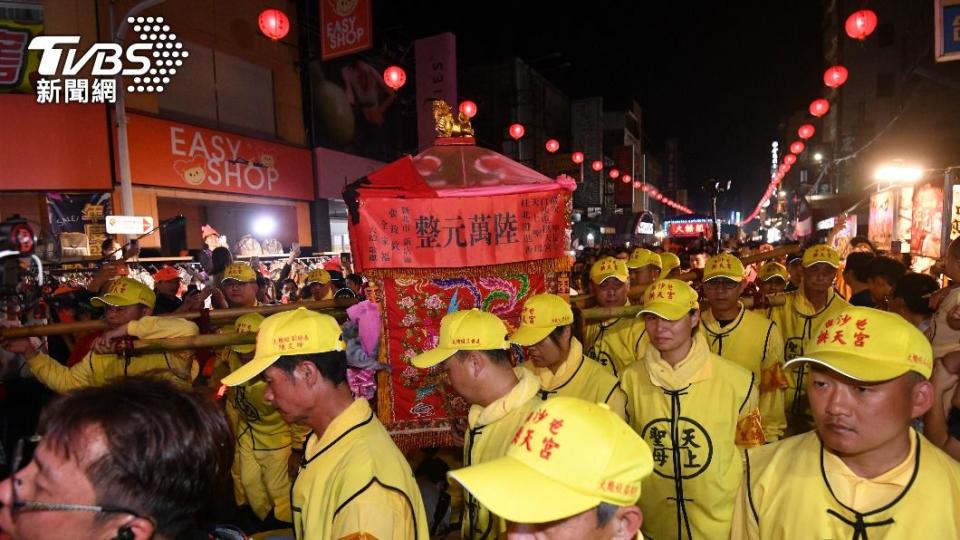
170,154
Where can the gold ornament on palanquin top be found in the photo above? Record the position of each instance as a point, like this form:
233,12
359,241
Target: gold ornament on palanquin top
446,124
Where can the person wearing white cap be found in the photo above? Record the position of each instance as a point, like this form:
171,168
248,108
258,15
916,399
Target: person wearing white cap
574,471
474,351
865,473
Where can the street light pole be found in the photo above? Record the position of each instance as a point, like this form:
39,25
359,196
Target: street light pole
119,108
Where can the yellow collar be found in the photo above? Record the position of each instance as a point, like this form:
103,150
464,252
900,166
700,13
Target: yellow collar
525,389
693,368
567,369
710,323
898,476
357,413
805,308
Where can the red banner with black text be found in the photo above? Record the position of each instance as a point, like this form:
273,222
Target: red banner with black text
456,232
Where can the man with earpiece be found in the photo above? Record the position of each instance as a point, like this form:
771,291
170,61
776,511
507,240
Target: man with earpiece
133,459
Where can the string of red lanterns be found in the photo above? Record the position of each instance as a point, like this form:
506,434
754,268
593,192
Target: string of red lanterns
859,25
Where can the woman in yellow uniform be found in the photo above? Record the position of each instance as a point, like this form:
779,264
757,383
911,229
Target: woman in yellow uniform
557,359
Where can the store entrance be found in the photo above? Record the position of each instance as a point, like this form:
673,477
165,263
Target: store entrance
250,223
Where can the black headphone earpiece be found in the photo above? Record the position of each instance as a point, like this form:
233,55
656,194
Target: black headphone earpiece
125,533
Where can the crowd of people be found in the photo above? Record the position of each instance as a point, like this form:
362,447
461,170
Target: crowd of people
797,396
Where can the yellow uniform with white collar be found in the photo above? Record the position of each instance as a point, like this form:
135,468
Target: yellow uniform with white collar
353,481
797,320
98,369
754,342
694,416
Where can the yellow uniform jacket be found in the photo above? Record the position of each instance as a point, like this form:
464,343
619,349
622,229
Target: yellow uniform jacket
614,342
354,481
98,369
798,320
693,417
824,499
581,377
491,431
754,342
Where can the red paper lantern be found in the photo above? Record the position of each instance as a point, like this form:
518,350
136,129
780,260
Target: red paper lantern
627,178
597,165
783,168
468,109
553,145
835,76
637,184
614,173
806,131
395,77
517,131
274,24
797,147
819,107
861,24
577,157
789,159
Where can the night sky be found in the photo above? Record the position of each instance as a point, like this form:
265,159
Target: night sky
720,78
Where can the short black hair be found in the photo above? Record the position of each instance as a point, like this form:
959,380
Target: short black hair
332,365
886,268
497,356
914,289
857,262
168,450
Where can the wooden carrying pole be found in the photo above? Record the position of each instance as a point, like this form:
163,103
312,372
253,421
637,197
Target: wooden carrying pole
591,315
217,316
635,293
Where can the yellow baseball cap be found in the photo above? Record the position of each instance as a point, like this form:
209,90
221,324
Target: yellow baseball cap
669,262
299,331
318,275
541,315
568,457
669,299
240,271
609,267
247,323
869,345
643,257
125,291
723,265
467,330
772,270
821,253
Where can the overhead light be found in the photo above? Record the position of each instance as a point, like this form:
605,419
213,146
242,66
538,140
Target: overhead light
264,226
818,157
898,173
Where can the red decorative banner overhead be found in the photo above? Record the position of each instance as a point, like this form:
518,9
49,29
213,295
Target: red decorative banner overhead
453,232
